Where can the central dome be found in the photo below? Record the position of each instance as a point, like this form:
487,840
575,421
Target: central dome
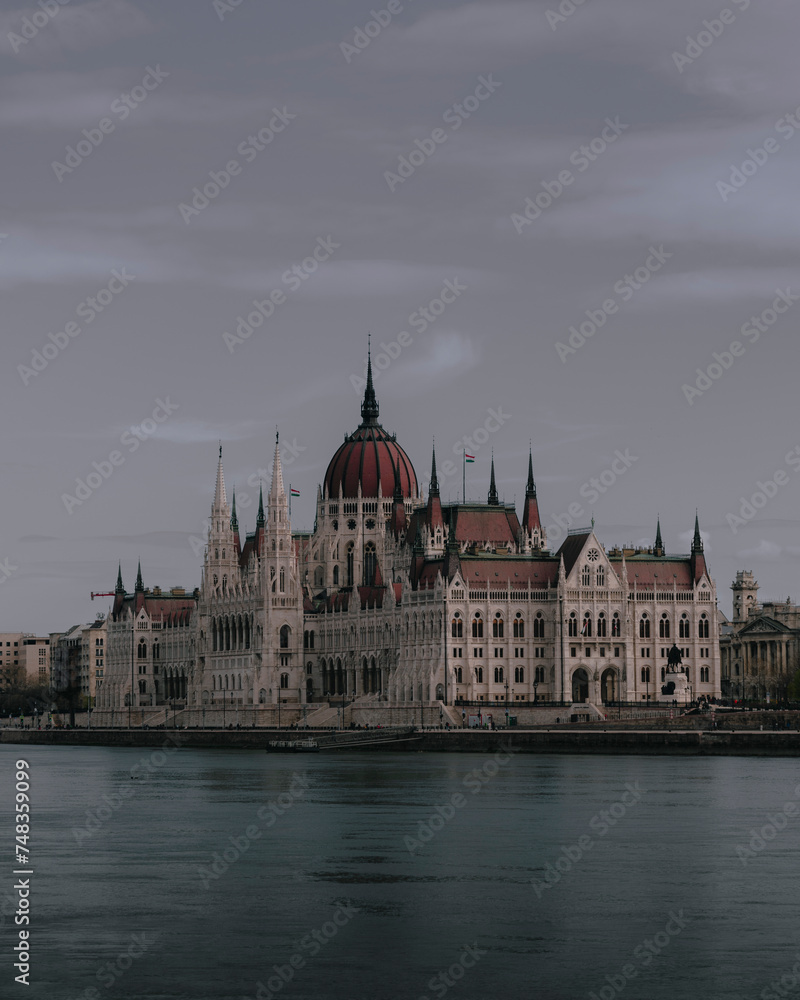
370,458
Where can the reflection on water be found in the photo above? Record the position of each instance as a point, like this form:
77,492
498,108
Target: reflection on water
237,873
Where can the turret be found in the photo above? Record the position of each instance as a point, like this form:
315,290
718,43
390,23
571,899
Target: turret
493,498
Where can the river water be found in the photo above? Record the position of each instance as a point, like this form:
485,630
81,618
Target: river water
382,875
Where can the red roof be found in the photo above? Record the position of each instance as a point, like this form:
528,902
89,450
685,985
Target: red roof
485,523
370,458
657,573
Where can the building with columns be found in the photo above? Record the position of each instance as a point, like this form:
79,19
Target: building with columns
760,652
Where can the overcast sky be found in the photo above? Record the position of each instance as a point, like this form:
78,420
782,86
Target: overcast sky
154,97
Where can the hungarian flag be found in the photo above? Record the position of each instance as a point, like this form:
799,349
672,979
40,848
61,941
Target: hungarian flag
585,626
469,458
294,492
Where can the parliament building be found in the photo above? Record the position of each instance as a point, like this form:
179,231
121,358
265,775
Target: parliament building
397,599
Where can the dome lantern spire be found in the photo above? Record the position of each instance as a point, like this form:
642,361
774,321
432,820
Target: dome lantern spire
369,407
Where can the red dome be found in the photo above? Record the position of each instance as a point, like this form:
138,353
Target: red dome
370,457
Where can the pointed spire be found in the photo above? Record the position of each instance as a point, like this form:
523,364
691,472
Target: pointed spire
434,487
659,546
139,583
530,488
120,588
234,518
261,519
369,408
220,498
277,491
697,541
493,498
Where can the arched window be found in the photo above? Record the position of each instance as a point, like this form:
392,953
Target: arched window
370,564
601,626
214,633
479,675
519,675
519,626
216,553
663,627
457,627
142,650
538,626
477,626
573,624
586,576
616,625
644,627
349,565
498,675
601,576
284,634
156,650
683,627
282,584
284,681
587,625
497,626
663,674
336,576
142,687
227,634
702,627
459,676
645,675
262,696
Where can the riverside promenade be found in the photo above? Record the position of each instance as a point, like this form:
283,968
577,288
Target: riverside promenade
589,738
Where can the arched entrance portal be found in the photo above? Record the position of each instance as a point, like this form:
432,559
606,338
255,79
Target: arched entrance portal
580,685
608,686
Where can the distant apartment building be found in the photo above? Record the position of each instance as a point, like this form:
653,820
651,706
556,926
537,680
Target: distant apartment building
24,659
77,660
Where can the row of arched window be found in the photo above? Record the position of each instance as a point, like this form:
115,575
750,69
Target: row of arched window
498,626
665,627
599,628
231,632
